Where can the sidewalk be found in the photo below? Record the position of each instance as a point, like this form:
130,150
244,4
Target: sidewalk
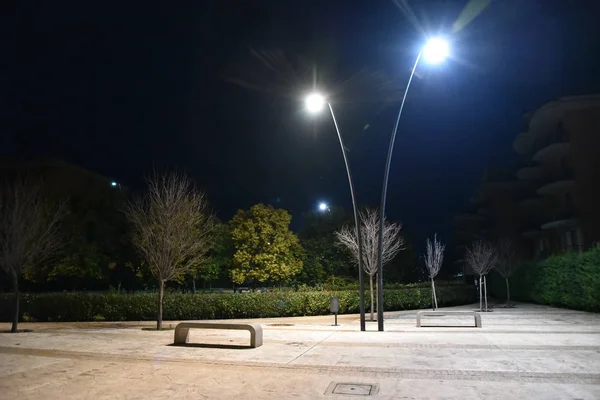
531,352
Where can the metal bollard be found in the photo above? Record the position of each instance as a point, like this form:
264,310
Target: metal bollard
334,308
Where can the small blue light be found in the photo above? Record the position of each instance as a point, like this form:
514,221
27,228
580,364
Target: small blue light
323,207
113,184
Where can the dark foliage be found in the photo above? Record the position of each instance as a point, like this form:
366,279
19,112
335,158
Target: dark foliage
178,306
568,280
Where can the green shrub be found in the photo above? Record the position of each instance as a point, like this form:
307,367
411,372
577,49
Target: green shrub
344,283
61,306
179,306
568,280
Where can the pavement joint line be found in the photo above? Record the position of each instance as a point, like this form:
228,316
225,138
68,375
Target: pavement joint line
452,346
424,329
310,348
396,372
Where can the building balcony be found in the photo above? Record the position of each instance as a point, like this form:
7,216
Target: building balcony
532,202
553,151
531,226
523,142
545,122
533,233
561,223
564,218
556,187
529,173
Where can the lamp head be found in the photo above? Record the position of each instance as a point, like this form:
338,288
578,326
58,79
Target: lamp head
436,50
315,102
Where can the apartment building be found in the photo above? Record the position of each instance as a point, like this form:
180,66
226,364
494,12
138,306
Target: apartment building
561,176
551,203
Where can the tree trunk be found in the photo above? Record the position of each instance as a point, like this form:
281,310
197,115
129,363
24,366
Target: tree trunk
434,302
372,297
507,293
15,321
193,285
485,292
480,295
161,291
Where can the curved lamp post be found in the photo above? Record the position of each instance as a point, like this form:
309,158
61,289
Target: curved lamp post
315,102
435,51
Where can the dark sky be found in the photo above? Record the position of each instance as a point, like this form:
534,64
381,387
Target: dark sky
119,88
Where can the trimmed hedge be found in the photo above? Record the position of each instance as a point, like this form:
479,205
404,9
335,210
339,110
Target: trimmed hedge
179,306
353,285
570,280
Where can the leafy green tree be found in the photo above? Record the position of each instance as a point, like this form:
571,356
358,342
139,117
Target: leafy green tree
94,227
219,259
322,257
405,267
266,250
314,263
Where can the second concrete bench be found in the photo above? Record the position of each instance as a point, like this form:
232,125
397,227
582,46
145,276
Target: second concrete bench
449,313
182,330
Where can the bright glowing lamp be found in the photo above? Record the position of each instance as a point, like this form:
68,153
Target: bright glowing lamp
113,184
436,50
323,207
315,102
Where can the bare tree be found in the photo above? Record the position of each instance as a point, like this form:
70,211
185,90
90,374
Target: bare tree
171,228
508,263
481,257
434,258
29,232
392,244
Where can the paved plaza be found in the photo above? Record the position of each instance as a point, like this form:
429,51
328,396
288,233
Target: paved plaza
528,352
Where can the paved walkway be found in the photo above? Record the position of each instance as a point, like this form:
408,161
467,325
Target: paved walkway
528,352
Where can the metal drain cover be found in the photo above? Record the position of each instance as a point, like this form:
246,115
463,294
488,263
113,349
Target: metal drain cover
352,389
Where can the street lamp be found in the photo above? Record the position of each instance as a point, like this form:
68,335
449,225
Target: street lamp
315,103
434,52
323,207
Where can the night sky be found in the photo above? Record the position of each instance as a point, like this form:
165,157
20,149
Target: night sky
120,88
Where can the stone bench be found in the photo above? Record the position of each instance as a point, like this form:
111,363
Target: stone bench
449,313
182,330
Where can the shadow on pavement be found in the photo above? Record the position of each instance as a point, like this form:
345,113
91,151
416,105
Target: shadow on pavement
211,346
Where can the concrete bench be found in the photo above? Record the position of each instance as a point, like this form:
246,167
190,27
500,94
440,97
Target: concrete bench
449,313
182,330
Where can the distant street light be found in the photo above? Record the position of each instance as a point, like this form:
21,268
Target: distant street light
315,103
434,52
323,207
113,184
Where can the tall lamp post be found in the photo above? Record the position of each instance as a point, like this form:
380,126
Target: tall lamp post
315,103
434,52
